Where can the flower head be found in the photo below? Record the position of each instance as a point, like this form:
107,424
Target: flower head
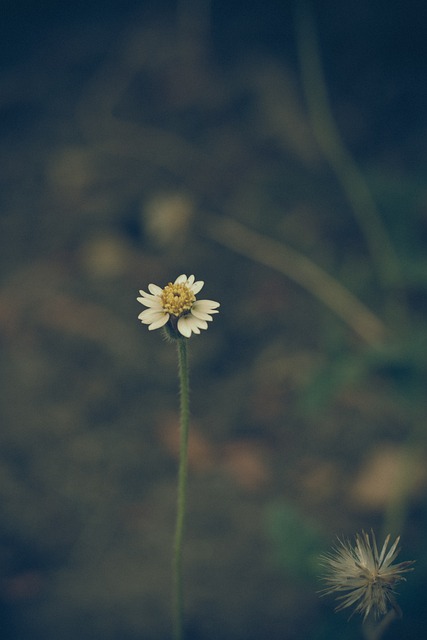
365,577
176,306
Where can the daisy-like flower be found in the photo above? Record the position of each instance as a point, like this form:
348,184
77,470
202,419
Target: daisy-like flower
176,306
365,577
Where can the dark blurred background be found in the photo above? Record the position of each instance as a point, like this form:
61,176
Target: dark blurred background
142,140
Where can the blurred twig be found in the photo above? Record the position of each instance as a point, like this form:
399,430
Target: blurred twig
301,270
331,144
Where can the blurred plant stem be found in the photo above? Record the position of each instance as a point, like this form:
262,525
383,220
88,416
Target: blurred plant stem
300,269
350,177
182,488
377,632
383,255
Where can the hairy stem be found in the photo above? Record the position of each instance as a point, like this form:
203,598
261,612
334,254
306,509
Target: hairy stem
182,488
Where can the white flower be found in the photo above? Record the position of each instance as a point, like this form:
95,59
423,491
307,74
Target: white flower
176,303
365,577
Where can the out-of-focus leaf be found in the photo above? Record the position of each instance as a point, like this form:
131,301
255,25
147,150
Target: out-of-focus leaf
296,540
329,380
401,365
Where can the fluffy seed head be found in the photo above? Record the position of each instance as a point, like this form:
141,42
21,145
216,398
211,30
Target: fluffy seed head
364,577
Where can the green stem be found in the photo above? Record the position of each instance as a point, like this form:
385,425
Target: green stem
182,488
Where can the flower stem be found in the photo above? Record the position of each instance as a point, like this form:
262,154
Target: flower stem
182,488
377,632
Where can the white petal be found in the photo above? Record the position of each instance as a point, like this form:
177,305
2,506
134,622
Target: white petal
184,326
145,294
188,323
203,307
156,325
151,313
154,302
190,281
155,290
202,324
182,279
200,315
206,305
198,322
197,286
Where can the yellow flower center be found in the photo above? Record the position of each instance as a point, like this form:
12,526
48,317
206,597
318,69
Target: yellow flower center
177,298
